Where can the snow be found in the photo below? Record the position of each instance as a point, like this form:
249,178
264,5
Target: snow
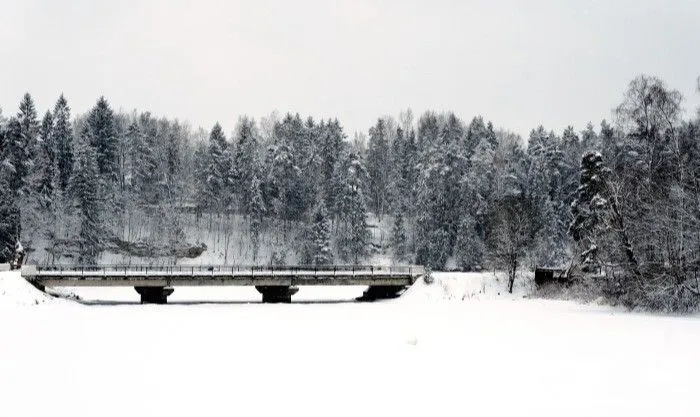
16,291
455,347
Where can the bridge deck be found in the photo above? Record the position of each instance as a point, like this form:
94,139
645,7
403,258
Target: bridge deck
236,275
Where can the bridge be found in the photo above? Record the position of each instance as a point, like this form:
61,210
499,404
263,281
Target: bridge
276,283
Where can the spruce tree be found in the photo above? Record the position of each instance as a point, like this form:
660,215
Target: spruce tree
84,190
29,129
245,161
286,182
9,220
443,166
46,166
217,170
104,140
318,245
10,226
256,212
551,239
174,165
589,139
354,235
330,149
399,240
378,166
591,205
63,139
469,248
16,158
290,178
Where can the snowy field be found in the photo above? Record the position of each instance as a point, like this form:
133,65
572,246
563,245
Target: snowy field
456,347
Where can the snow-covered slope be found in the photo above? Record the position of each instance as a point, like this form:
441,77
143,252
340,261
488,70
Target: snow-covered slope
460,286
14,290
428,353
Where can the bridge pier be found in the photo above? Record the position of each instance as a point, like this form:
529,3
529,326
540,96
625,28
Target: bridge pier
154,295
276,294
382,292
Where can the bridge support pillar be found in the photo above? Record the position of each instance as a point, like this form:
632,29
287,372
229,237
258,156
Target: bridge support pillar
154,295
276,294
382,292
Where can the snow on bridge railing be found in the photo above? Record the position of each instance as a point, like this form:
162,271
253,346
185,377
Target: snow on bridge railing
203,270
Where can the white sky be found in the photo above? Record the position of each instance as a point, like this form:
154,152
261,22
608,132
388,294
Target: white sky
518,63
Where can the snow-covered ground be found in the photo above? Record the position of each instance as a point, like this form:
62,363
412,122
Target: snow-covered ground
455,347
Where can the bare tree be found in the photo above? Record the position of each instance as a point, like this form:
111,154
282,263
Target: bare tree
514,233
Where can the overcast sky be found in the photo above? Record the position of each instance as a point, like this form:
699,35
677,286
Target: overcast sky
517,63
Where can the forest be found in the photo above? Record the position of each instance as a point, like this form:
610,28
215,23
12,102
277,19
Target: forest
618,201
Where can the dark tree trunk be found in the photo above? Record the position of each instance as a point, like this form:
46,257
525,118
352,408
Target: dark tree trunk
511,274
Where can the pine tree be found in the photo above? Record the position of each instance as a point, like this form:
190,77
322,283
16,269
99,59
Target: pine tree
63,139
84,190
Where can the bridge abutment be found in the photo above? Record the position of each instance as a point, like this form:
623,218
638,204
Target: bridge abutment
276,294
382,292
154,295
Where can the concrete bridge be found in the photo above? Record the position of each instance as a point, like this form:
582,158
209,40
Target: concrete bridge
275,283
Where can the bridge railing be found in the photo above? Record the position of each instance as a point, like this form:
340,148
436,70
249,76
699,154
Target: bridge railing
203,270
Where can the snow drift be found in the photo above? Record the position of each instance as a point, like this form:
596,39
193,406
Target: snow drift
15,290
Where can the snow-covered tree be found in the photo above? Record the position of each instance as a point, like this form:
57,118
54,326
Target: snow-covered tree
246,160
442,168
317,248
103,139
255,209
46,166
29,129
399,239
351,208
330,148
217,170
63,138
470,247
84,188
10,225
378,167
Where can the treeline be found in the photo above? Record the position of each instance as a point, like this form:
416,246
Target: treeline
620,198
